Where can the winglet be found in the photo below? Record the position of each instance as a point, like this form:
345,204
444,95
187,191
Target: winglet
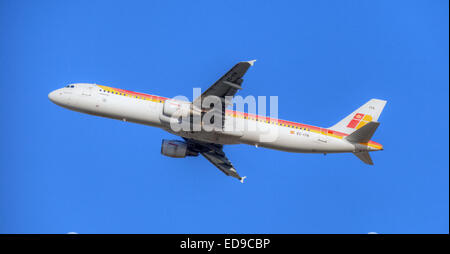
242,179
251,62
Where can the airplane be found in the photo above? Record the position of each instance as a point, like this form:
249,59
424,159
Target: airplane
350,135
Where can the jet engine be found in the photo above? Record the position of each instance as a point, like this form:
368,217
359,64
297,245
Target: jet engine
176,149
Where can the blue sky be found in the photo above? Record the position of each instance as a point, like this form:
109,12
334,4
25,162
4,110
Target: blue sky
62,171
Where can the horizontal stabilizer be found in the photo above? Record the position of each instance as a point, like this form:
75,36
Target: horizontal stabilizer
365,157
363,134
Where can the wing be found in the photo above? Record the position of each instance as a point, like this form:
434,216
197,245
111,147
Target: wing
228,84
214,154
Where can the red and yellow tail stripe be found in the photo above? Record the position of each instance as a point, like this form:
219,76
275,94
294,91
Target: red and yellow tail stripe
359,120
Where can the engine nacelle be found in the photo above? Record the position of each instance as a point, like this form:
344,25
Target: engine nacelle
176,149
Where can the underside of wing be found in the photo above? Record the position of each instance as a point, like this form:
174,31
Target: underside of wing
214,154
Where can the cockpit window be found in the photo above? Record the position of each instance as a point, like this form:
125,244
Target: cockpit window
70,86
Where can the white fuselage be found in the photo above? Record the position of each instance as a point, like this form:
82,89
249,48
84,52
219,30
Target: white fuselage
137,108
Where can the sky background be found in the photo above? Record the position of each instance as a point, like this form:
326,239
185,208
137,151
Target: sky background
62,171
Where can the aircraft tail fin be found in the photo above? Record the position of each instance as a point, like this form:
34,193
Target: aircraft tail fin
365,157
369,112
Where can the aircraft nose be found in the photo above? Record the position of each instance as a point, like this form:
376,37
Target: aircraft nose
54,96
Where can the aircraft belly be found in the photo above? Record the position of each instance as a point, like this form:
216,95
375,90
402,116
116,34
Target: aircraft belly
206,136
298,141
